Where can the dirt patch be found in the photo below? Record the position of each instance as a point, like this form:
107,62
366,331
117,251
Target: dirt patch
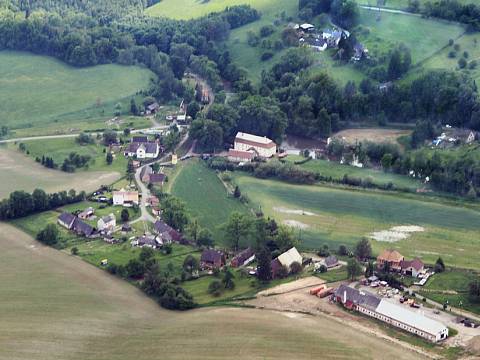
295,224
293,211
395,233
292,286
373,135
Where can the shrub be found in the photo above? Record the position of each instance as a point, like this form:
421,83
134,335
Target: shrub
296,268
267,55
215,288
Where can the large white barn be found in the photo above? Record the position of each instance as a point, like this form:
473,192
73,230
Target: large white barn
261,145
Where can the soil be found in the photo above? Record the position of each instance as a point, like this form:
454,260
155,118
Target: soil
373,135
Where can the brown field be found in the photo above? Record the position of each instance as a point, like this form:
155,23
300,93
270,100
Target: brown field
372,135
55,306
18,172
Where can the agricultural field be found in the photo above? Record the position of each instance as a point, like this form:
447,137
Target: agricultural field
452,286
415,32
400,4
18,172
59,149
325,215
376,135
206,197
79,312
338,171
61,97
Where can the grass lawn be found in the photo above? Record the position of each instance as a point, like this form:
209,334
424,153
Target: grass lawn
440,287
341,216
59,149
205,196
39,91
337,171
334,275
56,306
342,73
423,37
18,172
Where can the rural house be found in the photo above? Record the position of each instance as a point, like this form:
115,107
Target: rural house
87,213
125,198
157,179
126,227
391,257
144,150
66,220
107,223
212,259
331,261
152,108
166,233
412,267
243,258
83,229
263,146
390,313
145,173
145,241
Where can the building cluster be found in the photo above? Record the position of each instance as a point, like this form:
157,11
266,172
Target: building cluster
395,262
246,147
390,313
285,260
163,234
327,39
77,225
452,136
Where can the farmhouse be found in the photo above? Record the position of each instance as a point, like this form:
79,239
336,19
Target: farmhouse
391,257
243,258
66,220
240,155
412,267
145,174
390,313
107,223
212,259
166,233
83,229
87,213
143,150
152,108
125,198
286,260
157,179
145,241
263,146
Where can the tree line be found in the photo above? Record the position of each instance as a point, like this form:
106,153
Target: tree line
22,203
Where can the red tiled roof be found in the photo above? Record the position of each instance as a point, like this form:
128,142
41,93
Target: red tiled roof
247,155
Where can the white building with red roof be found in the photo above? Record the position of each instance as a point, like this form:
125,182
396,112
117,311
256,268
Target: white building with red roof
261,145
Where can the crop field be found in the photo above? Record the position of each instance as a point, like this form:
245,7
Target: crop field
59,149
37,91
452,286
79,311
18,172
323,215
424,37
337,172
206,197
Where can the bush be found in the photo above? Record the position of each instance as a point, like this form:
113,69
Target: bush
296,268
215,288
322,269
49,235
267,55
282,272
74,251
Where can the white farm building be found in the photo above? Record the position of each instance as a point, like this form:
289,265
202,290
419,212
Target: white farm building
261,145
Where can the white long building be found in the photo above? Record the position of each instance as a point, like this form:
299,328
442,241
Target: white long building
390,313
261,145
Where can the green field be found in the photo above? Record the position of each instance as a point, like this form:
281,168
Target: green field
452,280
337,172
424,37
206,197
345,216
401,4
55,306
39,91
18,172
59,149
190,9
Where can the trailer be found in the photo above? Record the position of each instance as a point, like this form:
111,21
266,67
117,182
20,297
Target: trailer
316,290
325,292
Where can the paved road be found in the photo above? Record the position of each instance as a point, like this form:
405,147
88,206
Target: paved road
62,136
392,11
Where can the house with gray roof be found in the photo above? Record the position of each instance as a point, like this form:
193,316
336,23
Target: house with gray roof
66,220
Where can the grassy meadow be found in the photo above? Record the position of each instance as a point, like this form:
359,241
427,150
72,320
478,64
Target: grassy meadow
56,306
59,149
206,197
424,37
39,91
325,215
18,172
452,286
337,172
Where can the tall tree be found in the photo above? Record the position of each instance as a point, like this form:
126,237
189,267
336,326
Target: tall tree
264,268
237,229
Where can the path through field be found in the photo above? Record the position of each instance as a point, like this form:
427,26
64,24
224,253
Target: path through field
55,306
